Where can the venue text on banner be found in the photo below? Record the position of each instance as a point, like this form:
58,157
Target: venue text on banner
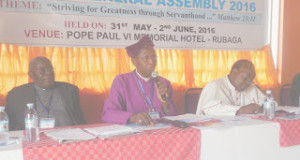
172,24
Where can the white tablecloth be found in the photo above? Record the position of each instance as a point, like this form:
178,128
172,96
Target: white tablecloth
246,140
233,140
13,151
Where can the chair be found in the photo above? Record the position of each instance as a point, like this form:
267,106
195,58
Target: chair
91,105
191,98
285,98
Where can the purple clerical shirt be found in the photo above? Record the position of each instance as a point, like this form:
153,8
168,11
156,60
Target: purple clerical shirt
126,98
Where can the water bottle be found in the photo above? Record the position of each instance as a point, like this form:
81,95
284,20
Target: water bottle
31,123
269,105
3,126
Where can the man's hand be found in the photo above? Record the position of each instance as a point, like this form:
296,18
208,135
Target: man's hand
161,90
142,118
250,109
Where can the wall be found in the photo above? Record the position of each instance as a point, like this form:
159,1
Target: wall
291,41
290,58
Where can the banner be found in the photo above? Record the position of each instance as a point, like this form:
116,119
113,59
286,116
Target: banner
171,24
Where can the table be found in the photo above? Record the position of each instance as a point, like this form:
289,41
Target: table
169,143
242,140
12,152
252,139
246,140
289,132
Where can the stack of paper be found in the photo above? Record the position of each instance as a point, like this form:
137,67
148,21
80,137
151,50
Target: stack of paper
289,109
141,128
290,117
189,118
69,135
110,130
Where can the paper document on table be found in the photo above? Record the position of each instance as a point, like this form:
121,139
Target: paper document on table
289,109
221,122
189,118
232,118
290,117
110,130
69,135
141,128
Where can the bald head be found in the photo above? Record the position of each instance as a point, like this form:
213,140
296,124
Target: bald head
41,71
242,74
243,63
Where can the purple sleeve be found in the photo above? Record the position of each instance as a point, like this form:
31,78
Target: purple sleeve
114,110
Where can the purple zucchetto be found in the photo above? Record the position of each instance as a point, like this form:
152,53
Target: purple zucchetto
134,49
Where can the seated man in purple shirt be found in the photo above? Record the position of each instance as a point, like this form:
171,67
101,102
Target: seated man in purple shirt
136,97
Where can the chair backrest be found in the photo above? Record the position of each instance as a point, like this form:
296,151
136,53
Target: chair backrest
91,103
285,95
191,98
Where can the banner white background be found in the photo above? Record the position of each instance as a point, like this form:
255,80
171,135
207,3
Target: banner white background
177,24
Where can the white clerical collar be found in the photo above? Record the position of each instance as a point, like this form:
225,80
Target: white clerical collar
145,79
229,84
39,88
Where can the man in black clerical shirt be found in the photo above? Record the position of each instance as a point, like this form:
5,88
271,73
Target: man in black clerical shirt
54,100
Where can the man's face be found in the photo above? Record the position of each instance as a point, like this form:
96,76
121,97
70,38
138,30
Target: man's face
42,73
242,78
145,62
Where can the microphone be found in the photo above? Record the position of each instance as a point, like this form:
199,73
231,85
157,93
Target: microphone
154,75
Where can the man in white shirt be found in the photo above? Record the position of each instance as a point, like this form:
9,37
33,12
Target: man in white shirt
234,94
